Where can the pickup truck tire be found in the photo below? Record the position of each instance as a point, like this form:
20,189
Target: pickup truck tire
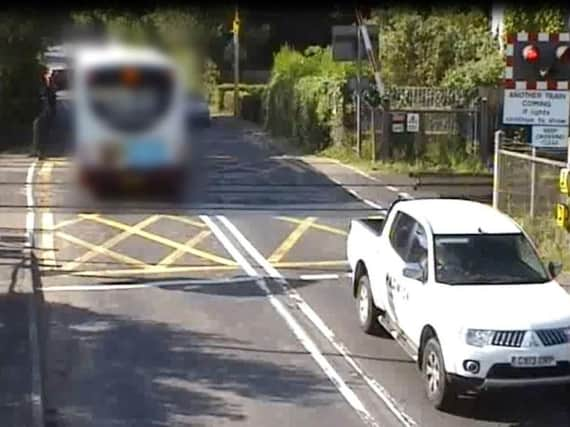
367,312
440,391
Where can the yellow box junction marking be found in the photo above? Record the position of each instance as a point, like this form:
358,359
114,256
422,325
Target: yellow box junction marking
290,241
119,257
162,240
110,243
315,226
170,259
186,221
153,270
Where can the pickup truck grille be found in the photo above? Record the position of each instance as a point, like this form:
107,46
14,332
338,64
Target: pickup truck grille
508,338
550,337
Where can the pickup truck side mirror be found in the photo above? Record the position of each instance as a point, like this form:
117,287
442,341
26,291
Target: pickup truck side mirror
414,271
555,268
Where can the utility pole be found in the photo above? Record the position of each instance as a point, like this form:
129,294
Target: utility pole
358,94
236,63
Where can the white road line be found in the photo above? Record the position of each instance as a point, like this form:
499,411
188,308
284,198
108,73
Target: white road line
295,327
157,284
306,309
319,276
370,203
33,336
394,189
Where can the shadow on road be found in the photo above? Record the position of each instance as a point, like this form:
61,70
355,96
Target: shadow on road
540,407
15,377
118,371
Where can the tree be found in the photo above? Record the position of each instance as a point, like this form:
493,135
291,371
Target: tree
437,47
23,37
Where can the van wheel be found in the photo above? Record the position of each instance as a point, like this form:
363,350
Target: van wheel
439,389
367,312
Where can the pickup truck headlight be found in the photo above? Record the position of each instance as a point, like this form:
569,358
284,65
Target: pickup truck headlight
478,337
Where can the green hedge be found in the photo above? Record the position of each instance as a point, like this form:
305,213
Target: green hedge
304,99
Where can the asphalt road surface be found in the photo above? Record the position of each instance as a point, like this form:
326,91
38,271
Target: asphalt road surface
229,307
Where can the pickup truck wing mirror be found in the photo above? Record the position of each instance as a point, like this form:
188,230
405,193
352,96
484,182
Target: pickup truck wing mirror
554,268
414,271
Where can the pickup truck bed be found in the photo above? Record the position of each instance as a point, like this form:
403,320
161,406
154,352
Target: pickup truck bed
375,224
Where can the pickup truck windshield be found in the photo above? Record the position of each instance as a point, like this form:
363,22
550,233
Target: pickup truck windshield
487,259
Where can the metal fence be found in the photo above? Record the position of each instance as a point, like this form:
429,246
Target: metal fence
526,180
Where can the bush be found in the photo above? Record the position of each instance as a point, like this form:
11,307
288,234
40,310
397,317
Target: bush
303,99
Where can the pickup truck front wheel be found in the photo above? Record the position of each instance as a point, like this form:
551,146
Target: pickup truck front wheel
367,312
439,389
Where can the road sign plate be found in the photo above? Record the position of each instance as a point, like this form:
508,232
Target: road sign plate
536,107
397,127
413,122
550,136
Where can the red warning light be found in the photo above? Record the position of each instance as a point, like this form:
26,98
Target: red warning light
530,53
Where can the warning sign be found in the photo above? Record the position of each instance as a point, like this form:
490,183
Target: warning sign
550,136
536,107
413,122
398,122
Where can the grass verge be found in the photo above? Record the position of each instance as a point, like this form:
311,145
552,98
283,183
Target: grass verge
345,154
551,240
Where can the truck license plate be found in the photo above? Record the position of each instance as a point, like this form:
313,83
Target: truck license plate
532,361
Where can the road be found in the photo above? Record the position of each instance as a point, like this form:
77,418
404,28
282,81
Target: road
230,307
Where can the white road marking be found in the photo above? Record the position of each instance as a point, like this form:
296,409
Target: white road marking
307,310
394,189
36,392
157,284
321,276
295,327
370,203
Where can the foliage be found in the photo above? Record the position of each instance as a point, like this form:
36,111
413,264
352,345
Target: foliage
22,36
184,32
536,18
303,100
439,47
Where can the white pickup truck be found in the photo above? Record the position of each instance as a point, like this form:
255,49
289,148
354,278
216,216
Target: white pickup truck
461,288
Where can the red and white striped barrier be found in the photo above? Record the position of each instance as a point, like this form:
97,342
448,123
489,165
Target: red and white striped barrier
508,81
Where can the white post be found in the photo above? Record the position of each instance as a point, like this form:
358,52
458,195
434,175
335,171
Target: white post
532,182
496,169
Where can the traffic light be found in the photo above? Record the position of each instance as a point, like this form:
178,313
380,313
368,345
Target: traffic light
533,57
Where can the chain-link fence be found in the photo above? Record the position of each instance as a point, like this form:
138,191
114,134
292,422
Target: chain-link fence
526,181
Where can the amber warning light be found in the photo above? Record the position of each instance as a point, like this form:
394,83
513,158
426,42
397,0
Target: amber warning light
130,76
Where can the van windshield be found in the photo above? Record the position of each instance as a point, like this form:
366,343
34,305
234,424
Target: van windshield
487,259
130,98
